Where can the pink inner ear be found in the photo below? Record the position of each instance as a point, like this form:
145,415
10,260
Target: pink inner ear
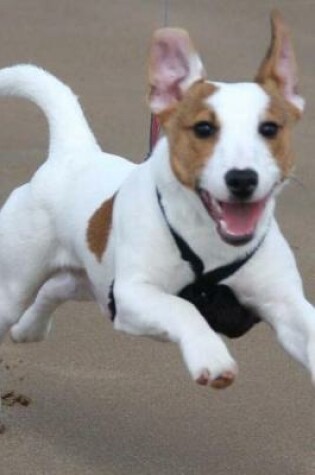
169,68
170,65
286,70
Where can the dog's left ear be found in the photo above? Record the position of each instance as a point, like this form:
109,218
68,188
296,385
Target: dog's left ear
279,66
174,66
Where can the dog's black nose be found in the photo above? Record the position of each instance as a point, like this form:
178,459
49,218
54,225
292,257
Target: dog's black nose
241,183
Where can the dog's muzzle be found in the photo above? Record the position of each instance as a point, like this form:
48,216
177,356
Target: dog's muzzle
238,217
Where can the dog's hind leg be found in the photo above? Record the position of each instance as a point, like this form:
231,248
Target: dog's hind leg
35,323
15,296
10,313
27,250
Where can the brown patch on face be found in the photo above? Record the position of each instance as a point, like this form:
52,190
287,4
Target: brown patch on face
99,228
188,152
283,114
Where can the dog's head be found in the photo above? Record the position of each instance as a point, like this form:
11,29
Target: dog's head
228,142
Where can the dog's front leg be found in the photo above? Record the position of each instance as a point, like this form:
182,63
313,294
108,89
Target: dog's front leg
144,309
296,330
271,284
293,319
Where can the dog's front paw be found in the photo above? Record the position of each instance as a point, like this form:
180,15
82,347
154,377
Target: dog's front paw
209,361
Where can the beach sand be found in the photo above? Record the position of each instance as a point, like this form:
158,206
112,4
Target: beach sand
107,403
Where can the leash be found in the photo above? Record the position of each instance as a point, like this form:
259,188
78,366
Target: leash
155,126
155,129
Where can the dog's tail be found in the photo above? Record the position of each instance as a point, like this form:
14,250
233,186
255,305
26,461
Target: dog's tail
68,126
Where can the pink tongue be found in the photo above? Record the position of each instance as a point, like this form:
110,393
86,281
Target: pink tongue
240,219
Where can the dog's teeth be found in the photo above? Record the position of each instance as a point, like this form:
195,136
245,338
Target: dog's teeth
216,206
223,225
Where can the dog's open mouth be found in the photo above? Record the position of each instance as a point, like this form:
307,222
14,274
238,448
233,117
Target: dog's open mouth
236,220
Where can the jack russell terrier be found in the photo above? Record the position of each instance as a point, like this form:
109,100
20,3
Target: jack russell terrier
154,242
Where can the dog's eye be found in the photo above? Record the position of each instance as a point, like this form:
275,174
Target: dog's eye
204,129
269,130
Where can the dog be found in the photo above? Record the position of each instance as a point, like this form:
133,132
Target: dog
140,239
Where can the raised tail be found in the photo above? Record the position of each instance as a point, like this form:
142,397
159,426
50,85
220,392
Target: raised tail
67,125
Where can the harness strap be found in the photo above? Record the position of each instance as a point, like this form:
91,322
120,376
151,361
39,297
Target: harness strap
210,278
185,250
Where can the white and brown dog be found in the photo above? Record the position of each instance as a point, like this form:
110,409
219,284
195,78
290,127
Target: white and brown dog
94,226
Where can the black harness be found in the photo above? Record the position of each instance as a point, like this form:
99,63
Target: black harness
215,301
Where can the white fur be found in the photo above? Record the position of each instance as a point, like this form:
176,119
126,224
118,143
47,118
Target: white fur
240,108
45,258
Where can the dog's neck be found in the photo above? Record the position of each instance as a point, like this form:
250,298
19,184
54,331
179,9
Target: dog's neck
186,213
181,202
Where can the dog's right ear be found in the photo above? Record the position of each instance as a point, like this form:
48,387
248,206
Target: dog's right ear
174,66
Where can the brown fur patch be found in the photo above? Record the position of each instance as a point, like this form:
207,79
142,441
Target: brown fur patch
274,83
99,228
188,152
282,114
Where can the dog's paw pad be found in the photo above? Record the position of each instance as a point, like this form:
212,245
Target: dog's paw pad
204,378
223,381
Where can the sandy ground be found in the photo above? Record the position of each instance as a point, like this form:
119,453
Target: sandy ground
105,403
